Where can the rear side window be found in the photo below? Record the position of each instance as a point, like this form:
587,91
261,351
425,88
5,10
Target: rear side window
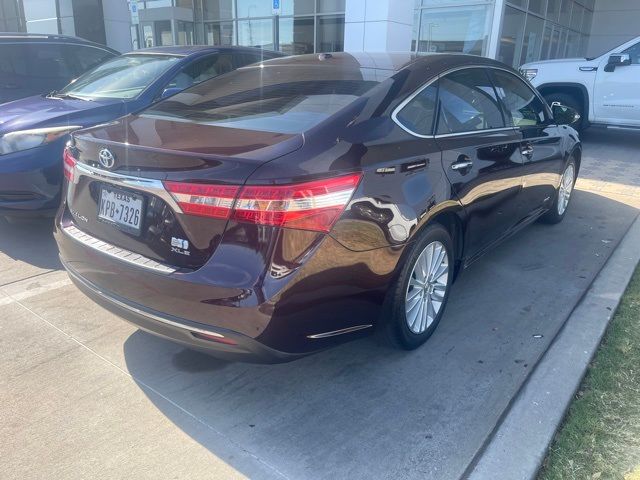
49,61
82,58
468,103
418,115
523,107
201,70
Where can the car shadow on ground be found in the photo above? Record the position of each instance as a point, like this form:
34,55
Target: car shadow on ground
30,241
364,409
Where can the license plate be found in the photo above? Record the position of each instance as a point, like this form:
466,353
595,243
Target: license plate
121,208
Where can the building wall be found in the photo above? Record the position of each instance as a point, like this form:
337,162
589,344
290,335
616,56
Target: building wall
614,23
378,25
117,24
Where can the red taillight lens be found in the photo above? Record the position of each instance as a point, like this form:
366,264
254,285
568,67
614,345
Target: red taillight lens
305,206
69,163
203,200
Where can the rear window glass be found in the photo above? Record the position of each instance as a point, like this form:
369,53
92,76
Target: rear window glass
278,98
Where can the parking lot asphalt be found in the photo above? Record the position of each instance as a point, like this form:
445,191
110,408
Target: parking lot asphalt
85,395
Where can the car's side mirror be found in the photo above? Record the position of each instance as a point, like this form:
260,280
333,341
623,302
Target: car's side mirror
564,115
617,60
168,92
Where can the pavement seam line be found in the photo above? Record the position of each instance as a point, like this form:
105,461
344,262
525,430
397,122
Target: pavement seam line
156,392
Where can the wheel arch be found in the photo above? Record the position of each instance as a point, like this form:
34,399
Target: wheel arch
568,88
451,221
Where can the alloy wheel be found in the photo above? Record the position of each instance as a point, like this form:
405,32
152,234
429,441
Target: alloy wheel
427,287
566,188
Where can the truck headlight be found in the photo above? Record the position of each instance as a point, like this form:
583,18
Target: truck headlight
529,73
25,139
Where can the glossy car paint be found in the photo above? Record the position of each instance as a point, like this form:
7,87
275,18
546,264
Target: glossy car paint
279,293
31,180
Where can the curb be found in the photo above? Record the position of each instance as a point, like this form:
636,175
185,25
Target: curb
519,444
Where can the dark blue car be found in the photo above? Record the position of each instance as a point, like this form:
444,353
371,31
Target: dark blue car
34,130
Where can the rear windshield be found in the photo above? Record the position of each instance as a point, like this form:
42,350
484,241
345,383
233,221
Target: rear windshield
277,98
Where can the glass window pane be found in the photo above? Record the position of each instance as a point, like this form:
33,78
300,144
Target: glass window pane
538,6
468,103
418,115
256,33
296,35
587,20
331,6
297,7
512,36
576,17
164,34
185,33
219,33
518,3
330,34
455,29
573,44
253,8
565,12
553,10
523,106
546,42
532,42
555,43
217,9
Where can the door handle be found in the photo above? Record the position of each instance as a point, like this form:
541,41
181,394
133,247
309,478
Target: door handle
463,163
527,150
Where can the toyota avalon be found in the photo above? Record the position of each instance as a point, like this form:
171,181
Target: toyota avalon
304,201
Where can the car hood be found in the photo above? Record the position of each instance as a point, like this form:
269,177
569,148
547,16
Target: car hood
39,111
559,61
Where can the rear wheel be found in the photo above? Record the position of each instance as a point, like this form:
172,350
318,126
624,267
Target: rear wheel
563,194
569,101
421,291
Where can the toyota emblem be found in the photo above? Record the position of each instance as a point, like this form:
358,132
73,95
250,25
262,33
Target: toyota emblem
106,158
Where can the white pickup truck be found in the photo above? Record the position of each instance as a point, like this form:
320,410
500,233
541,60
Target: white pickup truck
604,90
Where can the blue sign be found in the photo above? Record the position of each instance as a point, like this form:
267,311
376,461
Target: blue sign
275,7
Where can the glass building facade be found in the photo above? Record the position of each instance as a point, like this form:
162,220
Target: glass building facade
552,29
303,26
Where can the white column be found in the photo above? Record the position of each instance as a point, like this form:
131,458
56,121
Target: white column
378,25
496,29
117,24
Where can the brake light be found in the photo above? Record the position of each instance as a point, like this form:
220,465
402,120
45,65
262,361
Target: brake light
202,199
312,205
69,163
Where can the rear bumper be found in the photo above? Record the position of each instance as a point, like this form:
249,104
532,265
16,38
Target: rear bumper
30,181
237,347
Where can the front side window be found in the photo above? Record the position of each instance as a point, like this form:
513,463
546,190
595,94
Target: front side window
634,52
468,103
523,107
419,114
123,77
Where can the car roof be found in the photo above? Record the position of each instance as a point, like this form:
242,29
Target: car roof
187,50
389,61
19,37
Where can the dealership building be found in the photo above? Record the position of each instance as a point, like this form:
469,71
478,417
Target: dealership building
513,31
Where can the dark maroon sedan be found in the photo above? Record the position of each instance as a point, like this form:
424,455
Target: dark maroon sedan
288,206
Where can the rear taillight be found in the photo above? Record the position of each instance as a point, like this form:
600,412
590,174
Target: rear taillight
312,205
202,199
69,163
305,206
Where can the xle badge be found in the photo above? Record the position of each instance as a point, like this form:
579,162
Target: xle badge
180,246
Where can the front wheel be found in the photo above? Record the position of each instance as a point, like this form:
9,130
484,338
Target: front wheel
563,195
421,291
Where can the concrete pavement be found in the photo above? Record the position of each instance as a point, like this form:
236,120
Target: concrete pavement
83,394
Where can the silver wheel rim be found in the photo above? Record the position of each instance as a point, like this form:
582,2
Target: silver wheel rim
566,187
427,287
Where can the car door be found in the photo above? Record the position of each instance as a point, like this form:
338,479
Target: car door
542,142
480,155
13,72
616,93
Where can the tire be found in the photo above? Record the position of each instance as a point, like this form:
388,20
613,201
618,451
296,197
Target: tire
410,330
563,194
569,101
